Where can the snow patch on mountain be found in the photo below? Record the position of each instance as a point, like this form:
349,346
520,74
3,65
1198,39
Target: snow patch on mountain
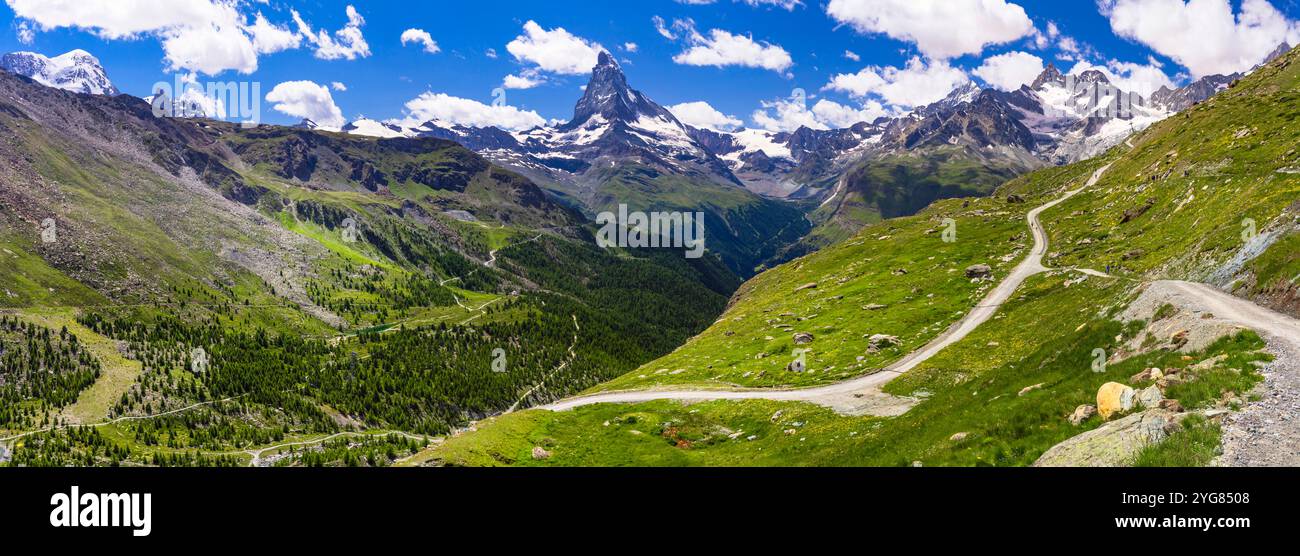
77,71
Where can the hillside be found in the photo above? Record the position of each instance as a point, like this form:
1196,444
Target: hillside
182,291
1171,204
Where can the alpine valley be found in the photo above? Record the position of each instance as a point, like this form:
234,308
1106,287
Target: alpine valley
931,287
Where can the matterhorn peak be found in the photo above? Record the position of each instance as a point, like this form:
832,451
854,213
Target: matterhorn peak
608,96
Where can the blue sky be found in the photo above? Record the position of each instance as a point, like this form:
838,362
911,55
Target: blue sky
738,56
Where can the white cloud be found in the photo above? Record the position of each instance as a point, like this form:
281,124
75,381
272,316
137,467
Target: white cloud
525,80
725,49
941,29
702,115
556,51
1205,36
269,38
347,43
839,116
918,84
305,99
1009,71
1130,77
26,35
794,113
339,86
662,27
466,112
422,37
205,36
210,49
201,35
788,5
721,48
786,115
631,47
491,53
851,55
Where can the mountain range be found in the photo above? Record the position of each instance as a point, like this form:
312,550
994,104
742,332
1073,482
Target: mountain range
962,146
622,148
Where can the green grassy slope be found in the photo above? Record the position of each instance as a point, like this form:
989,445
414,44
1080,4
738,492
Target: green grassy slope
742,228
335,285
898,185
1001,396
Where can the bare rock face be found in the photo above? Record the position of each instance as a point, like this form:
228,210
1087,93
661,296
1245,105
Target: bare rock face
1114,398
1114,444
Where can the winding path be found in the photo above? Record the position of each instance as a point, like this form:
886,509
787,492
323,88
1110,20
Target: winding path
863,395
1265,432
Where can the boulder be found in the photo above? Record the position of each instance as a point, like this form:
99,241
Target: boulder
959,436
1113,398
808,286
1015,199
878,342
1113,444
540,453
874,307
1149,375
979,271
802,338
1082,413
1150,397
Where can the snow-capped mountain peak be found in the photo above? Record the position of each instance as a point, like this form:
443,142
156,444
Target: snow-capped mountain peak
609,96
77,71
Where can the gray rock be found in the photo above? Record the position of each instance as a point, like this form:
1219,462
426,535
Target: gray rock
1082,413
1114,444
1150,397
878,342
802,338
979,271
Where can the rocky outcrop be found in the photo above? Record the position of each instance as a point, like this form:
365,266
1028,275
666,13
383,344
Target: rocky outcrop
1114,444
